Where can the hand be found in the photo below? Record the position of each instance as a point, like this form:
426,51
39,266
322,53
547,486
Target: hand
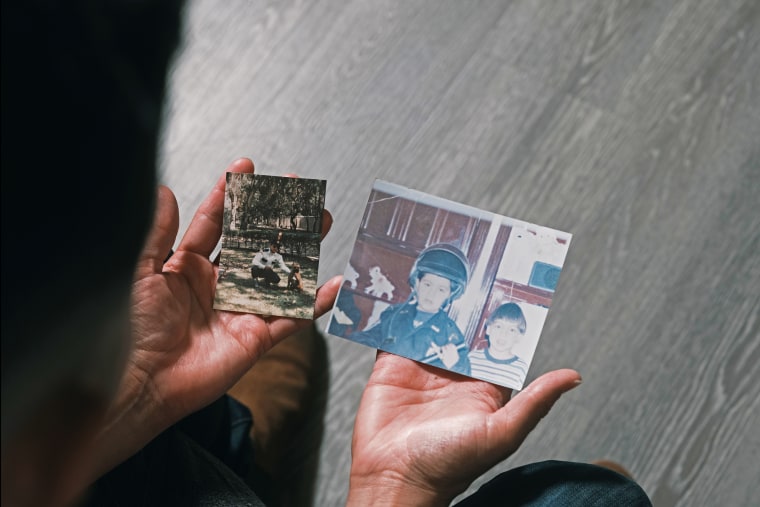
447,354
422,434
185,354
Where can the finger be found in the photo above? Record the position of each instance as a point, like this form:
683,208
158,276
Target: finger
522,413
280,327
162,234
438,351
206,227
326,295
327,221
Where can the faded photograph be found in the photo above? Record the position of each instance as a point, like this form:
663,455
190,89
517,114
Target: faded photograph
449,285
270,245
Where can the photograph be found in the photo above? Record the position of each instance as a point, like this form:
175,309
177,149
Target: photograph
448,284
270,245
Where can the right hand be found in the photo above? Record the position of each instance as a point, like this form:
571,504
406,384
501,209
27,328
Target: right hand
423,434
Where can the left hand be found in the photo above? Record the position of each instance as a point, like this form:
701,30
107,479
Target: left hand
185,354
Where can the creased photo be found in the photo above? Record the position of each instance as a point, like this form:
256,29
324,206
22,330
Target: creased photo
449,285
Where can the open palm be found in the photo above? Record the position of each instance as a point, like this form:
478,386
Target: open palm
186,354
428,433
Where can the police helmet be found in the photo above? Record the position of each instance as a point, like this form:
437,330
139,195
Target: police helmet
443,260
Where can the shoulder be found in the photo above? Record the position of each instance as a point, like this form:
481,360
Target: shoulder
388,314
402,308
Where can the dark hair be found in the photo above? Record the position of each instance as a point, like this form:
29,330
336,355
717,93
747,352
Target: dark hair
86,90
510,312
276,239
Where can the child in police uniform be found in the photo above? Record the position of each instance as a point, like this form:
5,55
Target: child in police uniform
497,363
421,328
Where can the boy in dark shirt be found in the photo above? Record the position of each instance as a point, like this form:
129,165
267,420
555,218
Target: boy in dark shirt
421,328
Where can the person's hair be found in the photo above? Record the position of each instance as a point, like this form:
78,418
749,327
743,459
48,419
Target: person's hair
276,239
510,312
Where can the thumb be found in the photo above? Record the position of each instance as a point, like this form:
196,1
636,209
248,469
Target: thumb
522,413
162,234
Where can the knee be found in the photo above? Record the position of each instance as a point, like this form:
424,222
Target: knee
563,483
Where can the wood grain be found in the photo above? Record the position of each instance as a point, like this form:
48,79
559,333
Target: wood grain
633,125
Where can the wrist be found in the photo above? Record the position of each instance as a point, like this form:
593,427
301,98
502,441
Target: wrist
391,489
134,418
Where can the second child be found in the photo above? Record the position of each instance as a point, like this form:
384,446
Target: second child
497,363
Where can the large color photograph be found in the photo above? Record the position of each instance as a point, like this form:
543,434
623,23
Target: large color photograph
449,285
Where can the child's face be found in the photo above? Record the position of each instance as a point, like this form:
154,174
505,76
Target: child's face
503,335
432,292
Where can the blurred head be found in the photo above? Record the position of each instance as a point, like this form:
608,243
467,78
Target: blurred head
82,87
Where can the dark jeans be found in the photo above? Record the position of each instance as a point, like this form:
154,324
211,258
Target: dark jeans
202,460
269,276
559,483
199,461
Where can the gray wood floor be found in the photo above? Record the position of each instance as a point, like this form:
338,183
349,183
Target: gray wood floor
635,125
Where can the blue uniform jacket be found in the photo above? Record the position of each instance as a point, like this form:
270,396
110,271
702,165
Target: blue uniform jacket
396,333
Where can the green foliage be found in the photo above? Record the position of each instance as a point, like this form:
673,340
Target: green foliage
276,202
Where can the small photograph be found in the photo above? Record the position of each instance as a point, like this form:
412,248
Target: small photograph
449,285
270,245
